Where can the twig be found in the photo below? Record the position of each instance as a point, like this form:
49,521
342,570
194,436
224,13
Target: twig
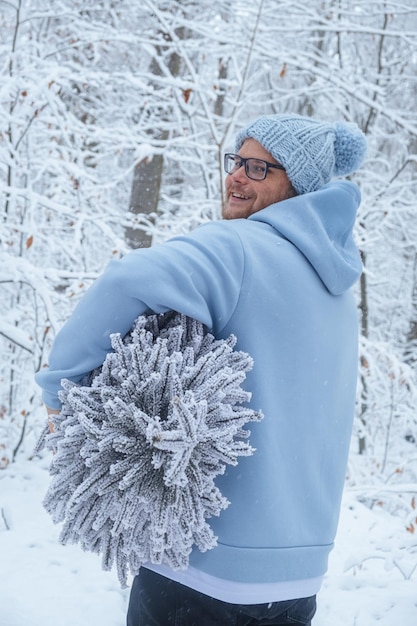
3,517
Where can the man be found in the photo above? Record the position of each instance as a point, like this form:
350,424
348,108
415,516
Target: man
279,279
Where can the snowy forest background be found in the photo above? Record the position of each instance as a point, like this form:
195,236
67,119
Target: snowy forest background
114,119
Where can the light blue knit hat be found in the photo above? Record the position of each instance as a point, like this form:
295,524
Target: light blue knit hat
311,151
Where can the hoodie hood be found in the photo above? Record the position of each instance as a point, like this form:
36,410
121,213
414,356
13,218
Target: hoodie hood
320,224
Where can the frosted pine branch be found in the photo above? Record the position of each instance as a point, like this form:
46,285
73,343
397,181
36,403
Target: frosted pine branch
139,443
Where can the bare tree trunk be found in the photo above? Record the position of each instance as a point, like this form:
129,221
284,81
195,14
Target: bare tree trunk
410,352
147,175
365,332
219,104
144,197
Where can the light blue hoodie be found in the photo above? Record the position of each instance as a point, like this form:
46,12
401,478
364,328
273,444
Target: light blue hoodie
281,282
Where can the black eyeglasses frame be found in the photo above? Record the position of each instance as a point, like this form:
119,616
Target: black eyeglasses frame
244,162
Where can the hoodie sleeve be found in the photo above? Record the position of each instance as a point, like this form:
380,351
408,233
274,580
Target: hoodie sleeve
198,275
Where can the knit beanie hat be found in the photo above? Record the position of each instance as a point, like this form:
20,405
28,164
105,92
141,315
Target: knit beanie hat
311,151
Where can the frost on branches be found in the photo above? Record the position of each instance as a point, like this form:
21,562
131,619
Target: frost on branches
139,443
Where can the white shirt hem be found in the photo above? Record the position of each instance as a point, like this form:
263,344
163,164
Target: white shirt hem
238,592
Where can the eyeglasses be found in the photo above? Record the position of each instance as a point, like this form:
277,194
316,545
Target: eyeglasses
256,169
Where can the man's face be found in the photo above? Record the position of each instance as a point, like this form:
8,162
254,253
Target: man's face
245,196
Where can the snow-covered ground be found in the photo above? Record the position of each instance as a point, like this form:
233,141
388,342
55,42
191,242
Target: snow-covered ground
372,577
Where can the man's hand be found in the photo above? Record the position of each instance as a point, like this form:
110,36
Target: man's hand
51,412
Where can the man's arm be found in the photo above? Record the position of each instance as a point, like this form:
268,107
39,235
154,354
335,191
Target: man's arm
198,275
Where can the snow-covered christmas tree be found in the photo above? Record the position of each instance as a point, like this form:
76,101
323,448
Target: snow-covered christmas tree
138,444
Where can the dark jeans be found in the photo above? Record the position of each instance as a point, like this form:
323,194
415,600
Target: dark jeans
159,601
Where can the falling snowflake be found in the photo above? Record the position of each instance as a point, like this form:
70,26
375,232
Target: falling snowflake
138,444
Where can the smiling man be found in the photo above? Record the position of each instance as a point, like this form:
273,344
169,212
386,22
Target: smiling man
277,272
256,180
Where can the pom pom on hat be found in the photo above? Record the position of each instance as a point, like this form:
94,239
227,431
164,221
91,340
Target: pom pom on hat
311,151
349,148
